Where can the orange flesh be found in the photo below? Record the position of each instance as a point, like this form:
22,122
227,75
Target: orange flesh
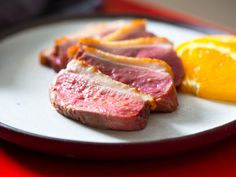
210,67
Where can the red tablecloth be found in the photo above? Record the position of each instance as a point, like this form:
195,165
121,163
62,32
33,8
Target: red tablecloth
216,160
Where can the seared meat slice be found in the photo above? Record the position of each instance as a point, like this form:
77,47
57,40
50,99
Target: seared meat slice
153,77
84,94
150,47
56,56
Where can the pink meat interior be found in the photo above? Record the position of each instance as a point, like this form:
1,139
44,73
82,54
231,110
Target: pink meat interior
159,51
146,80
87,95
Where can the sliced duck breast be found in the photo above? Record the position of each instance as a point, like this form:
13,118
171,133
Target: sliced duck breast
150,47
84,94
56,56
153,77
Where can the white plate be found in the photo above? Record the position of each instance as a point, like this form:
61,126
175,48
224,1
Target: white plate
25,105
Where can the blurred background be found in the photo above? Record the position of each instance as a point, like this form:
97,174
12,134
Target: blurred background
217,11
13,12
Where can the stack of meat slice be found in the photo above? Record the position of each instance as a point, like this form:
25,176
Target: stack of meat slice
56,56
153,77
148,47
115,77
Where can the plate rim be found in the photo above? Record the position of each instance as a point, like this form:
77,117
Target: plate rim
7,131
225,126
116,151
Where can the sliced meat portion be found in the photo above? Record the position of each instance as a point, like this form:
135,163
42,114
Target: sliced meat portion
56,56
150,76
84,94
150,47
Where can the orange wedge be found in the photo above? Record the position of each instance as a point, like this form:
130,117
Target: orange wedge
210,67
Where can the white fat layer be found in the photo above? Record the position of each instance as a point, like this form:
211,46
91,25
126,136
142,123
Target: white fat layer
130,61
104,80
